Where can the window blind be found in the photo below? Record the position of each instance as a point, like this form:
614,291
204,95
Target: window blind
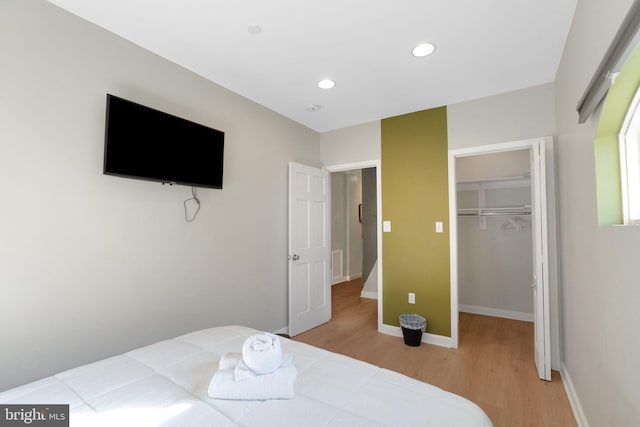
614,59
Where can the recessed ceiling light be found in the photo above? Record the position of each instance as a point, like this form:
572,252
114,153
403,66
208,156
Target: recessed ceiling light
326,84
254,29
312,107
423,49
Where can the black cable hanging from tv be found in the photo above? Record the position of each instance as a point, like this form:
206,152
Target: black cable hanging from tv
193,197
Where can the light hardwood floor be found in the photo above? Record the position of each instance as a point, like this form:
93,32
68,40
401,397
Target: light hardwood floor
493,365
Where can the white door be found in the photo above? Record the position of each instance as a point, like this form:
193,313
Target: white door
309,248
540,283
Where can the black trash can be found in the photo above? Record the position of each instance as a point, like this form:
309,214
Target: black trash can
413,326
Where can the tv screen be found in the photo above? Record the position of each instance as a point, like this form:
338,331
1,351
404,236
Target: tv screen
144,143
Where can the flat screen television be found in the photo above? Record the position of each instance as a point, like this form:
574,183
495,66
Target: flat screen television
144,143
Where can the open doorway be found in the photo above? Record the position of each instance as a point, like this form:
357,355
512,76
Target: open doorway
540,210
353,229
356,228
346,228
495,235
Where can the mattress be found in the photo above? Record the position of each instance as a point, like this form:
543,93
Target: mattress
165,384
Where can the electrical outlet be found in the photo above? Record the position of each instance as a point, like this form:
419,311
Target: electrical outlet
412,298
439,227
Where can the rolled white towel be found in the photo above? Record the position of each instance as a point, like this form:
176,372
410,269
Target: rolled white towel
243,373
262,353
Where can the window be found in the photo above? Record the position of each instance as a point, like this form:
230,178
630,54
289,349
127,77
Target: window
617,148
617,139
629,147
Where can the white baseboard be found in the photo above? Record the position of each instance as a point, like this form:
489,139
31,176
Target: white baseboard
427,338
495,312
370,295
578,412
284,330
337,280
341,279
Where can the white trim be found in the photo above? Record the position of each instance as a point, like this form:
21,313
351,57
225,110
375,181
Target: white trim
493,148
337,267
353,276
378,165
453,247
370,295
496,312
576,406
347,228
351,166
627,144
542,330
427,338
337,280
624,178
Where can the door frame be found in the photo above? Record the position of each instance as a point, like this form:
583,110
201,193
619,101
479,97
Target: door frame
363,165
551,285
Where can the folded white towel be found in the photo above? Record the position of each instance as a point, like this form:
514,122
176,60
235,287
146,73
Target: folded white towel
262,353
276,385
229,361
242,372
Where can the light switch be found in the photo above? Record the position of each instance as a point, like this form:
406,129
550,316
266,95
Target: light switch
439,227
386,226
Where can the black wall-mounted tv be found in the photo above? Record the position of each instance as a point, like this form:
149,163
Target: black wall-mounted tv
144,143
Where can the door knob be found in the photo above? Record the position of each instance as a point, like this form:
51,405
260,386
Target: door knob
294,257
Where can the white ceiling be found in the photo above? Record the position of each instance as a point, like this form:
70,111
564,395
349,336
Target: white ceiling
484,47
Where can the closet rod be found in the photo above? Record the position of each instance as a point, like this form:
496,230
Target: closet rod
477,214
523,208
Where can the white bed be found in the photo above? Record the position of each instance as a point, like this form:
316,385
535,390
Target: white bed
165,384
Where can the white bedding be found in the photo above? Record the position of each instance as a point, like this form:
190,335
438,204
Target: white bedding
165,384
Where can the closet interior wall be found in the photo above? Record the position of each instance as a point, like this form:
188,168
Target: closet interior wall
495,250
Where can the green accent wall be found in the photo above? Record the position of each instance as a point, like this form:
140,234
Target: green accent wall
608,187
415,196
606,151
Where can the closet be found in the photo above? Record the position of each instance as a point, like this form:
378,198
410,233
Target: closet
495,247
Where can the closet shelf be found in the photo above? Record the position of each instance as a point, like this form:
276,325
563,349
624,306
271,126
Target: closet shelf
513,214
523,177
517,181
523,210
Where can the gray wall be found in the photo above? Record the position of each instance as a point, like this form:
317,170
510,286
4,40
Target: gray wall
94,265
354,229
339,215
351,145
495,265
600,268
493,165
521,114
369,222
